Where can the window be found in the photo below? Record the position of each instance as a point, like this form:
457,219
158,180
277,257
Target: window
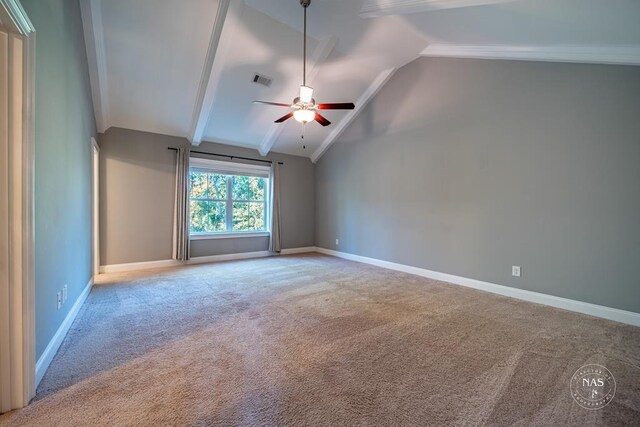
228,198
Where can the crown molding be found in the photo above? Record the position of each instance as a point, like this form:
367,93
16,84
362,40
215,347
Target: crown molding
320,54
362,102
91,13
619,55
376,8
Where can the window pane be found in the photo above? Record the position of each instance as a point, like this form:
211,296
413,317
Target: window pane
248,188
198,185
248,216
208,217
217,186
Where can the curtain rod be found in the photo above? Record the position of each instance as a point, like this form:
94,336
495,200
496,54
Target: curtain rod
228,156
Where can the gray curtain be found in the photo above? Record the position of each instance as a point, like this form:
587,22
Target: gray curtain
274,194
181,212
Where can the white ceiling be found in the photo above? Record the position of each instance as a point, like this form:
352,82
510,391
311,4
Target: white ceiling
155,52
150,70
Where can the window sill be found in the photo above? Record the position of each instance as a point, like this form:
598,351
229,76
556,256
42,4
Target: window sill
206,236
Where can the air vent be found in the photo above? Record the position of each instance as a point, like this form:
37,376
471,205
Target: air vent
261,80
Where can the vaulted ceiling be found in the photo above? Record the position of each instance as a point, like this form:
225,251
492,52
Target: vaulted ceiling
186,68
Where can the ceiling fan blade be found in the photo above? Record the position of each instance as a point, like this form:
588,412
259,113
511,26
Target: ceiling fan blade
336,106
322,120
285,117
277,104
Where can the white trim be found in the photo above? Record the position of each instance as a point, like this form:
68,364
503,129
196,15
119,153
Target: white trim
97,60
320,54
52,348
228,166
293,251
233,235
376,8
362,102
95,206
14,18
614,314
148,265
617,55
228,257
227,16
17,288
28,239
135,266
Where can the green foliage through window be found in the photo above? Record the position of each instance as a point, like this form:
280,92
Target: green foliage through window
213,211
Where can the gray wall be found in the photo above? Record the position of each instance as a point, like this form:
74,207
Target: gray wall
64,125
137,184
471,166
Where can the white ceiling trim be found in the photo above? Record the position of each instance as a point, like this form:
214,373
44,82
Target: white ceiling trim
227,18
320,54
621,55
96,60
362,102
13,17
376,8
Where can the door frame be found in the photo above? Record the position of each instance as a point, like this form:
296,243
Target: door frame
17,285
95,206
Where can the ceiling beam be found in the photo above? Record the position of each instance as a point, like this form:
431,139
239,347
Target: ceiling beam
96,60
361,103
320,54
620,55
376,8
227,18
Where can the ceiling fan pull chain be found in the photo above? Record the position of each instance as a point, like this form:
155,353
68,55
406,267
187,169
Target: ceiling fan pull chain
304,107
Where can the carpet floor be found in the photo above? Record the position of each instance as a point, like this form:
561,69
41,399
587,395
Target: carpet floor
316,340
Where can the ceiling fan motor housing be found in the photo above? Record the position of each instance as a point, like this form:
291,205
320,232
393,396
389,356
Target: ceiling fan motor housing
298,103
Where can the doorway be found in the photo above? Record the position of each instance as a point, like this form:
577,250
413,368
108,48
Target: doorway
17,312
95,205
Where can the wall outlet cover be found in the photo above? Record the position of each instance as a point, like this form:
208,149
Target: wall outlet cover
515,271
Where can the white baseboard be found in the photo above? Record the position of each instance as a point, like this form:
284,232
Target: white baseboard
135,266
298,250
227,257
614,314
52,348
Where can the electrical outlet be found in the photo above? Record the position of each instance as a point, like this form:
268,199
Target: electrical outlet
515,271
59,296
64,293
337,242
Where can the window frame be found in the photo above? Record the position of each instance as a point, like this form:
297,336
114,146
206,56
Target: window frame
231,169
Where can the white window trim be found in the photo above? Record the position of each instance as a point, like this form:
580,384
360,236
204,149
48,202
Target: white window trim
239,168
227,235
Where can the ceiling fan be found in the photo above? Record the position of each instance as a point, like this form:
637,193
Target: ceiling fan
304,106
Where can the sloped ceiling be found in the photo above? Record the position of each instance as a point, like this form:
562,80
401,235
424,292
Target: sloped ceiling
150,68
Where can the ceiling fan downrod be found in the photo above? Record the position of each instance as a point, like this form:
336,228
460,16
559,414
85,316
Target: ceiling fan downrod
305,4
304,107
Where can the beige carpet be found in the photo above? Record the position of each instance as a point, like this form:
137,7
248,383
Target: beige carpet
316,340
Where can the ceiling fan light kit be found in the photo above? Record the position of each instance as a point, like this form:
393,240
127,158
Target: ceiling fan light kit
304,116
304,107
